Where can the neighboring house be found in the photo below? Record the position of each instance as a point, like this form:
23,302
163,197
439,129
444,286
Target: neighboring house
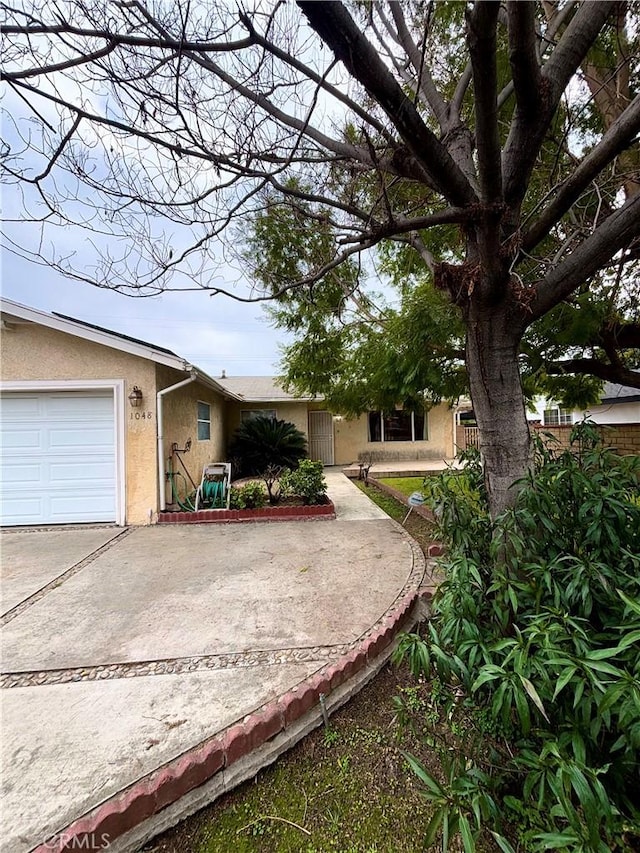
336,440
89,418
619,409
619,404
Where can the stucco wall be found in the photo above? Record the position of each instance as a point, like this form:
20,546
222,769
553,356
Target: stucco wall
352,444
31,352
291,411
180,423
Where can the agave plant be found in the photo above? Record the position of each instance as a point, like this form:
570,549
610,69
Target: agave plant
261,442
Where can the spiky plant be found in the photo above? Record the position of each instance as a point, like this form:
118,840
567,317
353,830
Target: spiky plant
261,442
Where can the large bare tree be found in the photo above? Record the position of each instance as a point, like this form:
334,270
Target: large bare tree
496,141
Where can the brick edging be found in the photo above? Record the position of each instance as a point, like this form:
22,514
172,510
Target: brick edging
424,511
266,513
146,798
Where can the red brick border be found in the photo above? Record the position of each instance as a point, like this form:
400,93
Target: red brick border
267,513
122,812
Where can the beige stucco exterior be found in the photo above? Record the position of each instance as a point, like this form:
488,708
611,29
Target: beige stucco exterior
180,422
293,411
351,440
37,357
350,436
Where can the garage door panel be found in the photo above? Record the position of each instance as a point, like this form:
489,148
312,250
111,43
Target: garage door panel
24,409
73,405
21,439
63,438
16,473
58,461
64,508
22,510
81,472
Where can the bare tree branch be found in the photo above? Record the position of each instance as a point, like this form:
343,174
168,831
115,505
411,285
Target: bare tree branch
593,253
481,23
525,138
336,27
620,136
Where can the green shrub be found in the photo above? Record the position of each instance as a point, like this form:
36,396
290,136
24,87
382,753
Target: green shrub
306,482
249,496
260,443
538,625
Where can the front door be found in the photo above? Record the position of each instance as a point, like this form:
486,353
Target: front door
321,437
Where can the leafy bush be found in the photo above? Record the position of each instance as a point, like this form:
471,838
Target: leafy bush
307,482
249,496
260,443
538,625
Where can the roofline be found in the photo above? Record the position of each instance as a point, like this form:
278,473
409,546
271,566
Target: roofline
34,315
274,399
112,340
630,398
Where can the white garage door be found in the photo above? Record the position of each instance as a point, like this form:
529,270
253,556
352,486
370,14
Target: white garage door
58,457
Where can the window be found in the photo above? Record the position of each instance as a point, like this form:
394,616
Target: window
556,416
250,414
204,421
399,425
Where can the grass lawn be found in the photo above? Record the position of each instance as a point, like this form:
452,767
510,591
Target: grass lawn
406,485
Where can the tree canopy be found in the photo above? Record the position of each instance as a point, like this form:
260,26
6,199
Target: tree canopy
482,157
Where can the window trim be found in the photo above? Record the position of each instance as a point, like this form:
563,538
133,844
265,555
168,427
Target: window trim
411,440
258,413
200,420
561,416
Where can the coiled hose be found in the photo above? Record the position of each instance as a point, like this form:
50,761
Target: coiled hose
213,492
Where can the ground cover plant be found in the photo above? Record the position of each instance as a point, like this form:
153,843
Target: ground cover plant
406,485
537,625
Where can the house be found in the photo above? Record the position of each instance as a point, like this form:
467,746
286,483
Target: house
618,412
89,418
619,404
98,426
336,440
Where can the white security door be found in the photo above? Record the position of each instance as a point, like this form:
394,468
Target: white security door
58,457
321,437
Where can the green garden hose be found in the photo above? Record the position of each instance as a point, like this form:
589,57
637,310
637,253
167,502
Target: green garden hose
213,492
186,504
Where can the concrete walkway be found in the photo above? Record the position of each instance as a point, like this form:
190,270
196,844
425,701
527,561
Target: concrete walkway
403,468
147,670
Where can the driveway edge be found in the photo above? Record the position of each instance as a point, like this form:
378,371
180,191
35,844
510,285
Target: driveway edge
154,803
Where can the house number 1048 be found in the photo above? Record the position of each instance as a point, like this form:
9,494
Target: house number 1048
140,416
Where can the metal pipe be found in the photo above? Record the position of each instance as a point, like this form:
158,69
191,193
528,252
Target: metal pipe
159,397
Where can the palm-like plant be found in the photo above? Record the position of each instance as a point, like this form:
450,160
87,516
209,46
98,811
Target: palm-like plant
261,442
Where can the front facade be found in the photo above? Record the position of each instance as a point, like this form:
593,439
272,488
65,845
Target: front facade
98,427
337,440
74,448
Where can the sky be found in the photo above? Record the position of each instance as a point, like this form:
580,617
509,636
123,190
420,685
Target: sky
215,333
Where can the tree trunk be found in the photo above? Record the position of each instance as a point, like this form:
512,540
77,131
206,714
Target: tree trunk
493,336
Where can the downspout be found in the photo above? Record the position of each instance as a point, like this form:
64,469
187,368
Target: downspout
159,396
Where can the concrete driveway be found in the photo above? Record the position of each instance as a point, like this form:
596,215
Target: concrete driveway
124,649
